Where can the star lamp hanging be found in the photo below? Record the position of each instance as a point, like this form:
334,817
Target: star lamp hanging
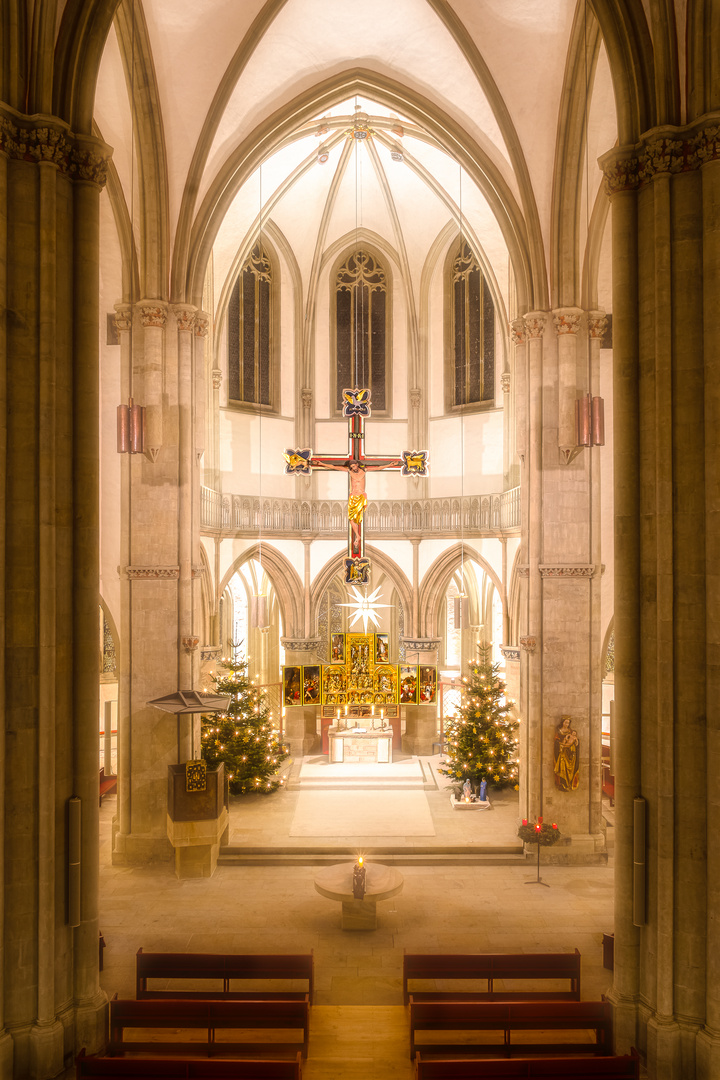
364,606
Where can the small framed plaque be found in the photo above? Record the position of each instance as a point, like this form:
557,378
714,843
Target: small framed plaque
195,775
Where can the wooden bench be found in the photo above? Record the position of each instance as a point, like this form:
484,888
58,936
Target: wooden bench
193,1069
224,968
211,1016
490,967
626,1067
509,1017
108,784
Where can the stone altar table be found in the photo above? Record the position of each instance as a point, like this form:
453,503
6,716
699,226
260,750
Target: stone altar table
381,882
360,745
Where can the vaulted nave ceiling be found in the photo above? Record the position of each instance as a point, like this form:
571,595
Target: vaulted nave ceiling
247,110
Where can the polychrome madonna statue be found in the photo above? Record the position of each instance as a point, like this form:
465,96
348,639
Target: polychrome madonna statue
567,755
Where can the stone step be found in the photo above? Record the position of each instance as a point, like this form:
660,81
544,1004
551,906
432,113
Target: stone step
358,784
501,855
399,860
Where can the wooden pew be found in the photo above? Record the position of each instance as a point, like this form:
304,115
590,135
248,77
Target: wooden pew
108,784
209,1015
626,1067
509,1017
88,1066
222,968
490,967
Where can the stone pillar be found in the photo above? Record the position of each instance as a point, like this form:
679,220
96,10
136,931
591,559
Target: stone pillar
534,328
300,723
666,273
562,613
567,325
50,182
708,1047
187,646
149,740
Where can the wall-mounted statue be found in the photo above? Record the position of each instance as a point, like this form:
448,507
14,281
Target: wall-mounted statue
566,755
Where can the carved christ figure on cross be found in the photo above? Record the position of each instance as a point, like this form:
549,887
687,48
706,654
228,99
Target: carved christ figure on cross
356,407
357,497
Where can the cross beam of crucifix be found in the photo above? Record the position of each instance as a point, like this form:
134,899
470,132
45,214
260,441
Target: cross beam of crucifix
356,463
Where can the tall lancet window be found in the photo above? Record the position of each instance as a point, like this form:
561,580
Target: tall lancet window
361,314
250,332
472,332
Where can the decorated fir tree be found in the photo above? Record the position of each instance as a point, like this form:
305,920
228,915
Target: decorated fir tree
243,738
481,738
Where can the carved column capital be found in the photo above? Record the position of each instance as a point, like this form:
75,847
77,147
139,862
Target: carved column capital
152,313
202,324
46,140
535,323
667,149
517,332
505,380
185,316
216,378
123,317
567,320
597,323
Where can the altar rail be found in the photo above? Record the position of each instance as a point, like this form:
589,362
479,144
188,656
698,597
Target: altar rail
471,515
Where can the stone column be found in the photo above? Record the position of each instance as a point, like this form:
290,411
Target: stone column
153,316
150,740
534,327
187,645
50,182
567,325
562,622
666,272
708,1048
6,1045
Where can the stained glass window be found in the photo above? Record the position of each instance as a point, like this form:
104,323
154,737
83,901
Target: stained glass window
472,318
250,331
361,328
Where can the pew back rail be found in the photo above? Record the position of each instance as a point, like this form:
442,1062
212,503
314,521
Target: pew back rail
223,969
88,1066
212,1016
492,968
509,1017
625,1067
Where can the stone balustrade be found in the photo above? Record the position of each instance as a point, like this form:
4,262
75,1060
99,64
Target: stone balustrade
473,515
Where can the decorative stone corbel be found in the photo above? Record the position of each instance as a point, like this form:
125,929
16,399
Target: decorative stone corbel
528,644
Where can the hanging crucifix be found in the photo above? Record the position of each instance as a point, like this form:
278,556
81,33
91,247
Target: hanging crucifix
356,407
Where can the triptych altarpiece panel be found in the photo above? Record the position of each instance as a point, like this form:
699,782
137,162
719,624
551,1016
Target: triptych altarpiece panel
359,674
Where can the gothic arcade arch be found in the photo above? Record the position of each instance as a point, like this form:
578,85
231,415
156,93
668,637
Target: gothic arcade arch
390,568
288,587
435,583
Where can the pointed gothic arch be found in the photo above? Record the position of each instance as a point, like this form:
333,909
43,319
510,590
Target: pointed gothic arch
288,586
435,583
390,568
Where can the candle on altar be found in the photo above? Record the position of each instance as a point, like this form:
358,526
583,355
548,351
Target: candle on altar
359,879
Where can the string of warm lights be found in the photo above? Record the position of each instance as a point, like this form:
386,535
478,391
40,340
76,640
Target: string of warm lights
243,738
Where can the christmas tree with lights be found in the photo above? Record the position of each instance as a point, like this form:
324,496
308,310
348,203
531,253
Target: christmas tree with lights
243,737
481,742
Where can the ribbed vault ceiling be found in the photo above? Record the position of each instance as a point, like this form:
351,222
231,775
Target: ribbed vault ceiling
482,77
